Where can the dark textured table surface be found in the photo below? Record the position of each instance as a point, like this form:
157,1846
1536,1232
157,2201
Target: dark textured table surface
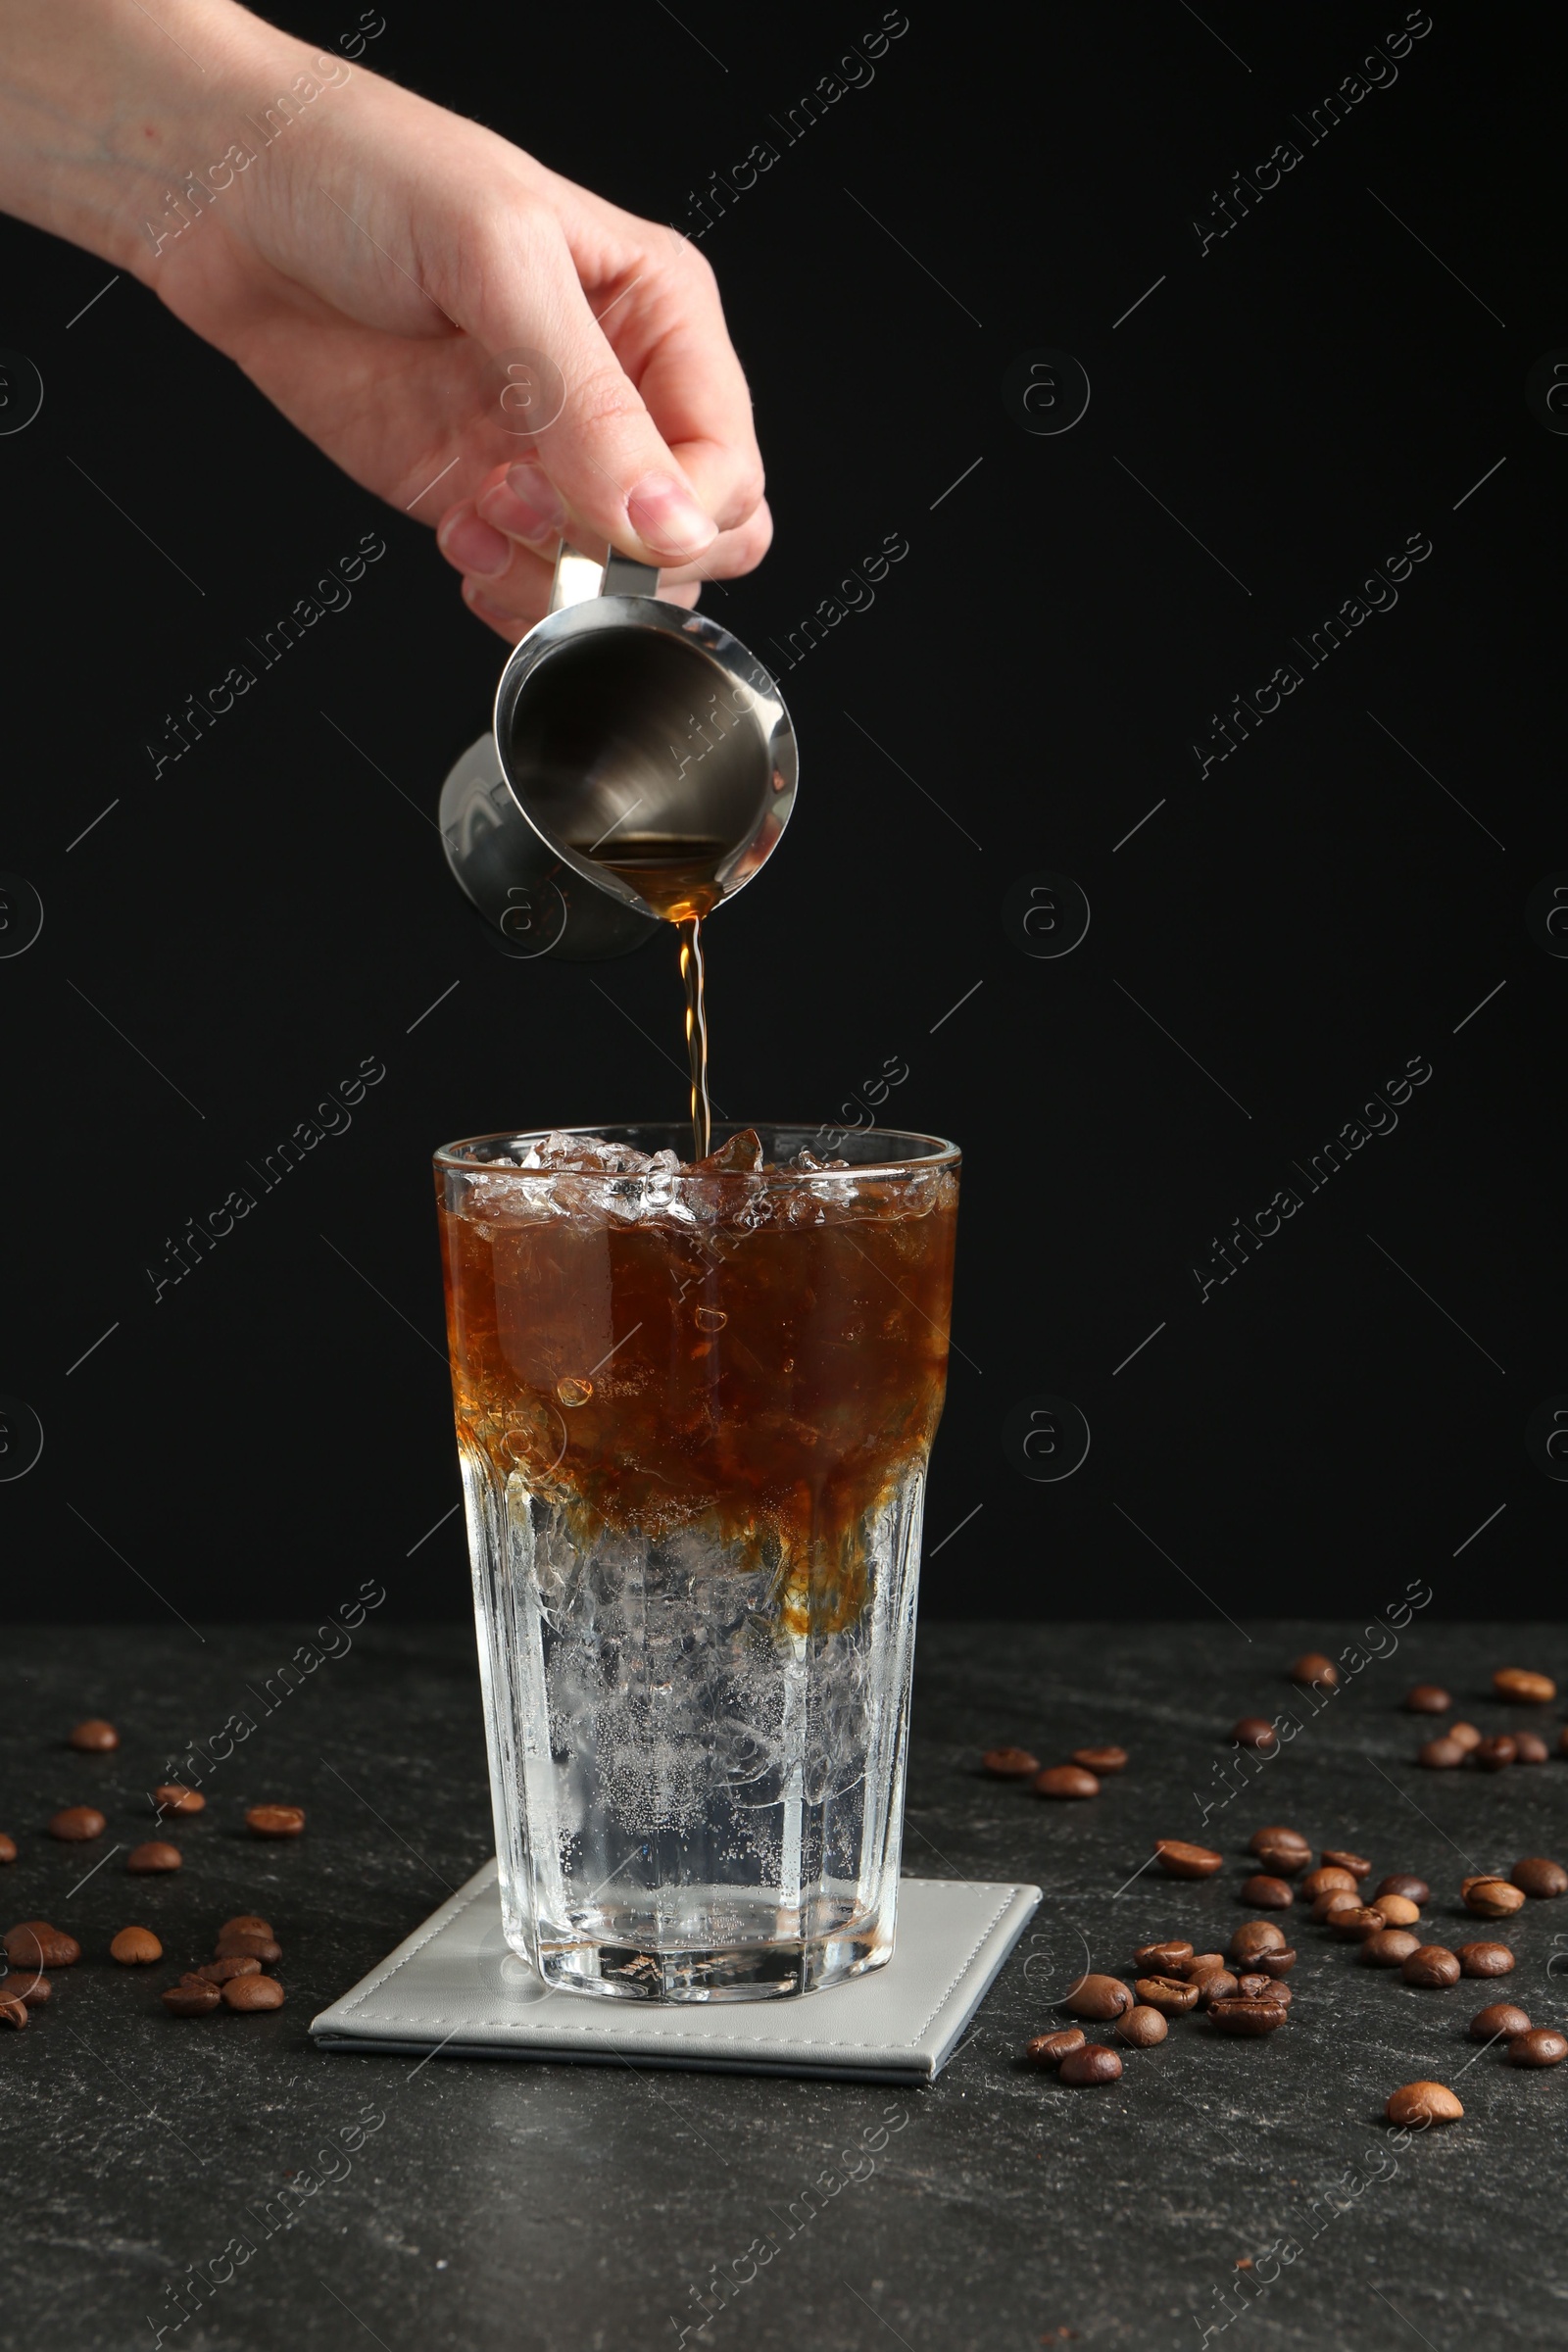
579,2209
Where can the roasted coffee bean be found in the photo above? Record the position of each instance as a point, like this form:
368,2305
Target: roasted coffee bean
1539,1877
1428,1698
1050,2049
1466,1734
1251,2018
1334,1857
95,1738
253,1992
29,1984
1518,1684
1220,1987
1162,1959
274,1821
1528,1748
1440,1755
1100,1759
134,1947
1277,1839
154,1857
1099,1999
1267,1894
1433,1967
8,1848
1541,2045
1402,1882
1253,1986
1423,2103
1398,1910
240,1944
1009,1763
1357,1925
1142,2026
1255,1935
1256,1731
1335,1898
172,1798
36,1944
1199,1966
1492,1898
1486,1959
1498,2017
1275,1962
1562,1740
219,1972
192,2000
1093,2064
1178,1858
78,1823
1313,1667
1492,1755
1390,1948
1065,1780
12,2012
247,1919
1173,1996
1330,1880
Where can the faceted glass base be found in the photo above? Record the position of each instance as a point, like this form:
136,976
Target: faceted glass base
771,1965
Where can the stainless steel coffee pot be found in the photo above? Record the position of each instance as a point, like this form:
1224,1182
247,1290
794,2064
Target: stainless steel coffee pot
617,714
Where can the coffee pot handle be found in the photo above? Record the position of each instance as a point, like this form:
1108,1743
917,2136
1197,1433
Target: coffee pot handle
580,577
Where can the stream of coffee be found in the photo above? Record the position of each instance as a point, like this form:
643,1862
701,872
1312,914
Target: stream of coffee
675,875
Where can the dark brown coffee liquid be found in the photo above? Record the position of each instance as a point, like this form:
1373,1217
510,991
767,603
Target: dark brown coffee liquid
674,874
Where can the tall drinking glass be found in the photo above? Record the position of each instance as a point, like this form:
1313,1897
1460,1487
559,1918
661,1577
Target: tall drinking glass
694,1412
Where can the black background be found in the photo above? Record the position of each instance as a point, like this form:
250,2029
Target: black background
1304,919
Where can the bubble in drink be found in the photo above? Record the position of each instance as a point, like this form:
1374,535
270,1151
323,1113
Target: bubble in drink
710,1318
575,1391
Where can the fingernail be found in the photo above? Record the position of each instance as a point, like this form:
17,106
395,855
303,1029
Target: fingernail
473,546
525,504
666,518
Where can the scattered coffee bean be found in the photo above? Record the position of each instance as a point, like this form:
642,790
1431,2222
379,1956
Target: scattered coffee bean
219,1972
154,1855
8,1848
12,2012
253,1992
1267,1894
1562,1740
78,1823
95,1738
1334,1857
1404,1882
172,1798
1498,2017
1335,1898
1541,2045
1252,1985
1390,1948
1428,1698
1275,1962
1466,1734
1486,1959
1199,1966
1100,1759
1099,1999
1313,1667
30,1986
1528,1689
1357,1925
1253,1936
1058,1780
1329,1881
1168,1959
1251,2018
246,1919
1173,1996
1494,1754
274,1821
192,2000
1277,1839
1398,1910
36,1944
1492,1898
1256,1731
134,1947
1009,1763
1093,2064
1539,1877
1221,1986
1423,2103
1528,1748
1050,2049
1440,1755
1431,1966
1178,1858
243,1943
1142,2026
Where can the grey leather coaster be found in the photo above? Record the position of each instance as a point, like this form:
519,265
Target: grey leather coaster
455,1987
